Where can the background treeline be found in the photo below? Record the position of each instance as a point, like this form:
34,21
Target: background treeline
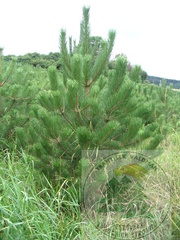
53,59
158,80
36,59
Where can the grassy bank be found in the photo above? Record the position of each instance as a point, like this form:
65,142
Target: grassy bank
30,208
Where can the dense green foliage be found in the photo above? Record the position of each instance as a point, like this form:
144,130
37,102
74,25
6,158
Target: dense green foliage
20,85
37,59
89,107
82,102
86,105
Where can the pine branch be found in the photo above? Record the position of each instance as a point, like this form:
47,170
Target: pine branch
77,110
85,31
105,58
9,74
64,51
22,125
66,118
10,107
70,46
116,106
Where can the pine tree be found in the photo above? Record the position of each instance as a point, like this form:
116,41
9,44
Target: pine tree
88,107
17,92
3,107
165,101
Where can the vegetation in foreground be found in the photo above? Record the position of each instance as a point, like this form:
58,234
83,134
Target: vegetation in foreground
31,208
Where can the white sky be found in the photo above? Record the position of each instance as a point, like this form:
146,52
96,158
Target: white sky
147,31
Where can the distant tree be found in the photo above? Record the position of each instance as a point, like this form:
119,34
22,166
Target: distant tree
144,75
135,72
37,60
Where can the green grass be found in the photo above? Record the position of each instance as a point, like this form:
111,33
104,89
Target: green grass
31,208
171,162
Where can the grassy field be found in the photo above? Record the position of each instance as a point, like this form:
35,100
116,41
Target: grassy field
30,208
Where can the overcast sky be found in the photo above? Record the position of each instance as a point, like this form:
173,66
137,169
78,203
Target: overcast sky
147,31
